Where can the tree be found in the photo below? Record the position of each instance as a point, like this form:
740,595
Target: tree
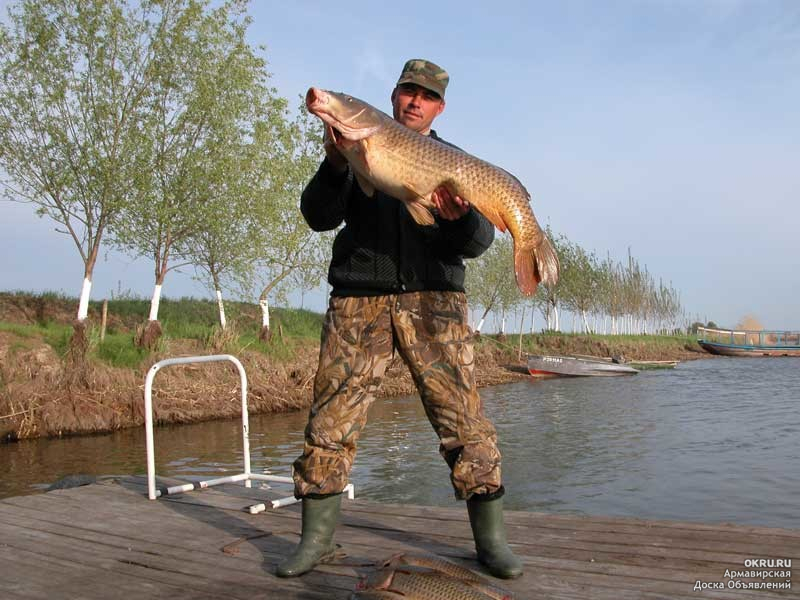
580,283
284,251
489,282
74,81
548,298
220,249
207,92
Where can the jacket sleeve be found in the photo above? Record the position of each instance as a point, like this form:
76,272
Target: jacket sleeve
470,236
324,200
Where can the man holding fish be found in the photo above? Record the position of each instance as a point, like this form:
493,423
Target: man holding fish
397,273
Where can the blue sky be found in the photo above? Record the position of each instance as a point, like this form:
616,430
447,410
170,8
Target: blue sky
670,127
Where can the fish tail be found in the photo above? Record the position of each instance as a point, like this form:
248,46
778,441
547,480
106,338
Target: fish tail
535,265
525,270
547,262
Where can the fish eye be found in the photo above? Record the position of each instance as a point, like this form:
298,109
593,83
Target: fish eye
349,99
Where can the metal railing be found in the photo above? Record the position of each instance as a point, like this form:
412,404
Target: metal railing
247,476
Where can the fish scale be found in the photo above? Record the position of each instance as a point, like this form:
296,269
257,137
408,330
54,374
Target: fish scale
425,577
433,586
388,156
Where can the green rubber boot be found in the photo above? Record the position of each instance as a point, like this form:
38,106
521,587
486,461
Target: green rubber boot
316,544
486,519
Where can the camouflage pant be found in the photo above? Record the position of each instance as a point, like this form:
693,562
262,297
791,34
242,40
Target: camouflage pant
359,336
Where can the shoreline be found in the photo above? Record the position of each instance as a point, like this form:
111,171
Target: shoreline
45,392
44,397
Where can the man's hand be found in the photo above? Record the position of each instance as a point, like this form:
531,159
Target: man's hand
336,158
450,207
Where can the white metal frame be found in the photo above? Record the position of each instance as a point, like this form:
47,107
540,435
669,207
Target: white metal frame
247,476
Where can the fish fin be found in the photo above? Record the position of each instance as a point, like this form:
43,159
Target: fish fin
547,262
525,270
493,216
414,192
419,213
366,185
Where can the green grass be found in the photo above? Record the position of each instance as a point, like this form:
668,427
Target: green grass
197,319
538,342
298,322
25,331
118,350
51,333
183,318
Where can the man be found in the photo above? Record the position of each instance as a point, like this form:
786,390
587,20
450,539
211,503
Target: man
397,286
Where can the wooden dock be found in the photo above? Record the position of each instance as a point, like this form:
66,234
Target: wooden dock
108,540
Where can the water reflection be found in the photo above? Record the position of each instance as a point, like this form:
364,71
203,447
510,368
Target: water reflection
713,440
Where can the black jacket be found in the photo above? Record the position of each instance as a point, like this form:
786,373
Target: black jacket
381,249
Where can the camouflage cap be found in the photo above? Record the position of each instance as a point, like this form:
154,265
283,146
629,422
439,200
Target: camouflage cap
426,74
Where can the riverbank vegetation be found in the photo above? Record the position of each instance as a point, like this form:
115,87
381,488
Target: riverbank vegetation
44,392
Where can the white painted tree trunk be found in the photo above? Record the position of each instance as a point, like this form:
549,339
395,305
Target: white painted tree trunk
555,312
586,327
503,324
156,300
480,324
222,322
533,322
264,304
83,303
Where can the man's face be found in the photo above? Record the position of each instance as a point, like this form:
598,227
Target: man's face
416,107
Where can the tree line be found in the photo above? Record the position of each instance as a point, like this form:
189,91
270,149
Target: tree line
603,295
151,126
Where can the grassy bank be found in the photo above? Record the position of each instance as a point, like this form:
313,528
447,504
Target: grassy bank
42,395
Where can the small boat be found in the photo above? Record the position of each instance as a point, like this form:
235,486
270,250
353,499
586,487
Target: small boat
729,342
571,366
647,365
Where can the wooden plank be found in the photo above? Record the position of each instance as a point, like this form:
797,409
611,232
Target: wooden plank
217,575
591,557
176,543
25,574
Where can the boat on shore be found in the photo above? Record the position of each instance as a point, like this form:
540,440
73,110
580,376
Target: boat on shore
572,366
730,342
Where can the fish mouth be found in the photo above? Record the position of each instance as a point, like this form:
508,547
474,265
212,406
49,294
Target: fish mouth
319,103
316,99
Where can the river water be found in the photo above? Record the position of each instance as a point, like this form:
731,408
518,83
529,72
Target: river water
714,440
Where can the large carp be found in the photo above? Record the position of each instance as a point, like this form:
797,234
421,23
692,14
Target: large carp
406,165
419,583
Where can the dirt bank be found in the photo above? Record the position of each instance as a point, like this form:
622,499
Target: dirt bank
44,395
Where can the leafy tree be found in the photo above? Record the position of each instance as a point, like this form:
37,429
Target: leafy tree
548,298
72,101
284,252
208,90
490,278
220,249
581,281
